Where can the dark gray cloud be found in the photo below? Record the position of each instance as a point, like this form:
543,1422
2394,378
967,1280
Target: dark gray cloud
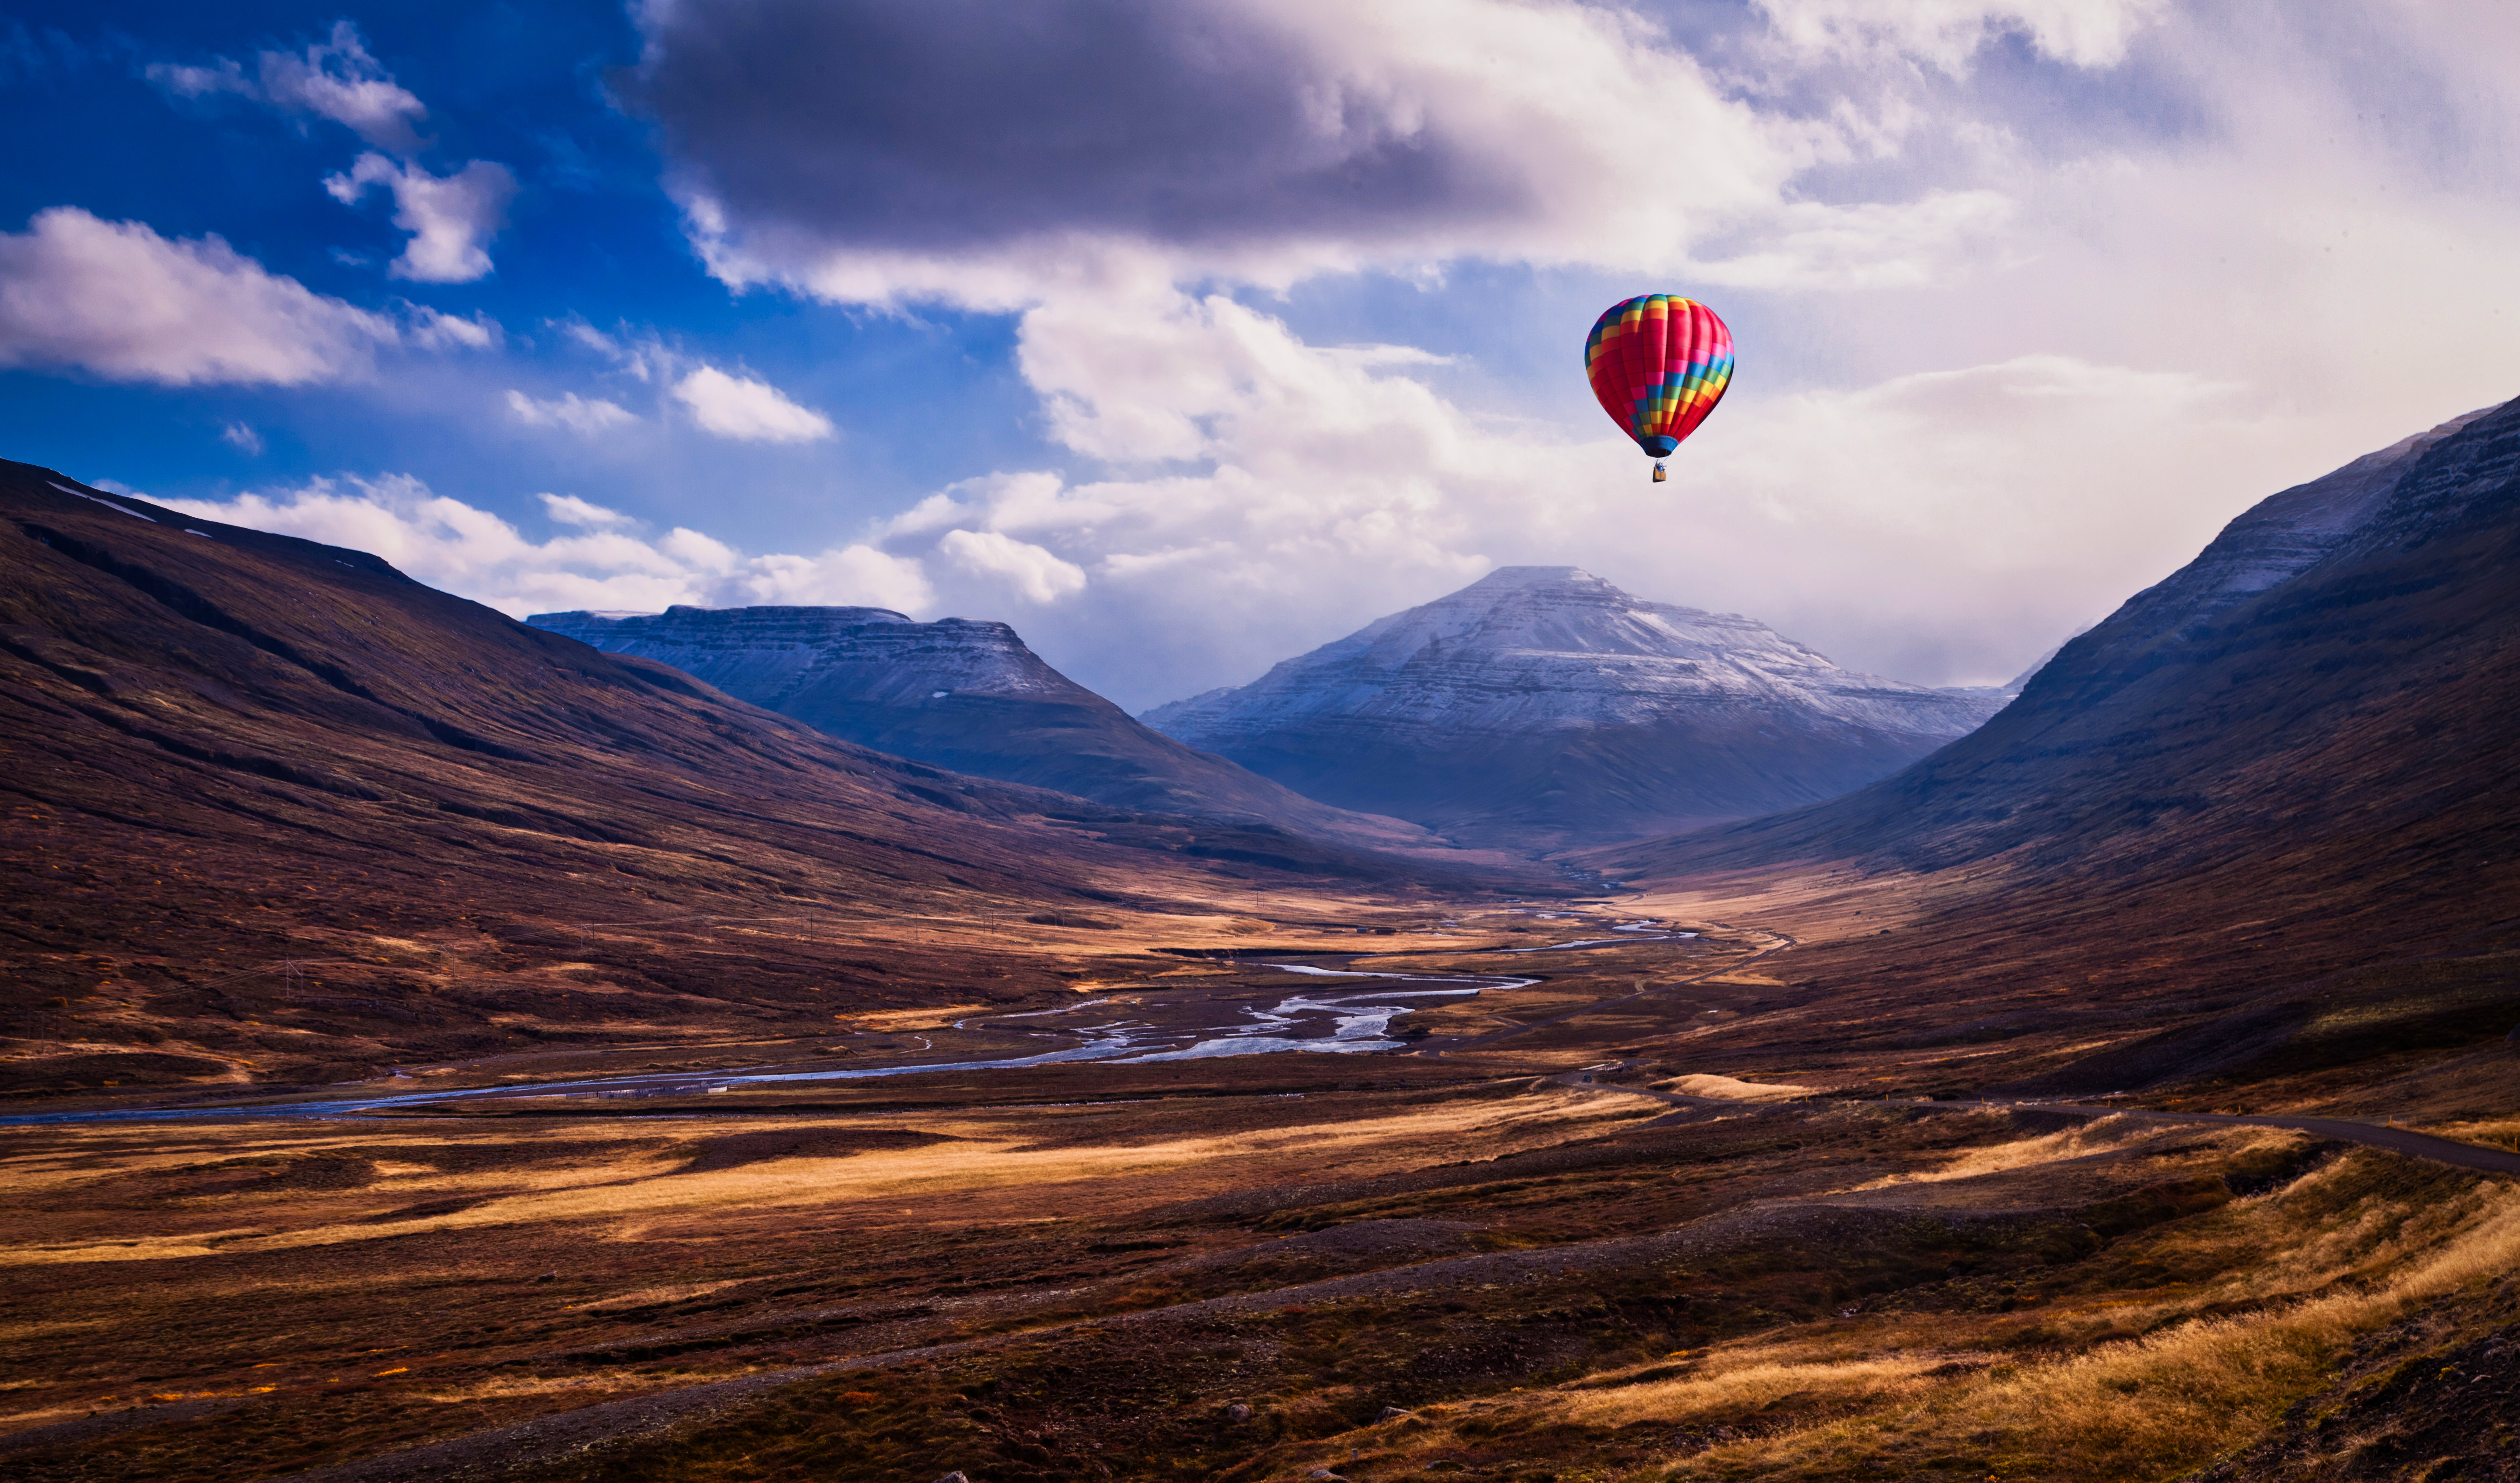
934,125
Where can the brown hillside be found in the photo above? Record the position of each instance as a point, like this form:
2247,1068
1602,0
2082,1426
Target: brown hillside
2274,839
969,696
276,810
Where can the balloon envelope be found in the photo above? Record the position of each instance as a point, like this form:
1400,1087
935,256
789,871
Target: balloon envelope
1659,363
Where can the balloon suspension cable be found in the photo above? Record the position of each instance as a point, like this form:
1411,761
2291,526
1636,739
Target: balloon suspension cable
1659,473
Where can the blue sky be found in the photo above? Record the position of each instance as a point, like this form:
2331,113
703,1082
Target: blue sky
589,238
1185,338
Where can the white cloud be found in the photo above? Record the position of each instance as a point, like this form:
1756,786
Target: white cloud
2085,33
587,417
855,575
1261,141
449,216
1944,527
433,331
749,410
638,353
940,510
335,78
1027,569
1809,245
116,299
472,552
243,438
569,510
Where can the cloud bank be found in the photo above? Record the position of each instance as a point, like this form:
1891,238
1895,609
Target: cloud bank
2040,273
959,152
116,299
601,563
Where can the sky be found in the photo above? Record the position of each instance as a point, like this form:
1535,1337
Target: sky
1187,334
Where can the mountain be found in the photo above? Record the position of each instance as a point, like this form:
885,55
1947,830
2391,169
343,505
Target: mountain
1542,706
2259,819
962,694
2271,542
2158,710
277,811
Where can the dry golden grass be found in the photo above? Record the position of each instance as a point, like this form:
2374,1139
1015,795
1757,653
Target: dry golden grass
1731,1090
891,1021
512,1387
2495,1133
2120,1387
1816,905
1731,1383
991,1159
2100,1136
645,1296
2164,1402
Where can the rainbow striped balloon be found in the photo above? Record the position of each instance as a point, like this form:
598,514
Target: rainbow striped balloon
1659,363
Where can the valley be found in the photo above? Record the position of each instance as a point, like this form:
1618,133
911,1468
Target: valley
1465,741
540,1064
1538,1226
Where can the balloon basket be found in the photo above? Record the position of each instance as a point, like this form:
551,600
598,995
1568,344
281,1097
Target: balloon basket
1659,475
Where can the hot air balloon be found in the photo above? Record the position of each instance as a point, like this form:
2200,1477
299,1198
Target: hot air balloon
1659,363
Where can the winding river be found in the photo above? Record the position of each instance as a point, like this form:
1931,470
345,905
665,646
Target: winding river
1174,1027
1190,1023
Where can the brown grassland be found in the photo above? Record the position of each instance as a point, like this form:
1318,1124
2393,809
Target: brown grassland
1790,1264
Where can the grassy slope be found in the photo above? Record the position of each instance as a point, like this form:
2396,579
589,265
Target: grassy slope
276,812
2271,845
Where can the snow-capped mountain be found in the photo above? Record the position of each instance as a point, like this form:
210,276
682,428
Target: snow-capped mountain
958,693
1542,704
773,656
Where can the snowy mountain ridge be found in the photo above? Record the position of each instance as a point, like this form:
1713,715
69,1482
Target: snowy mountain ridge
771,655
1542,705
960,694
1558,647
2279,537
